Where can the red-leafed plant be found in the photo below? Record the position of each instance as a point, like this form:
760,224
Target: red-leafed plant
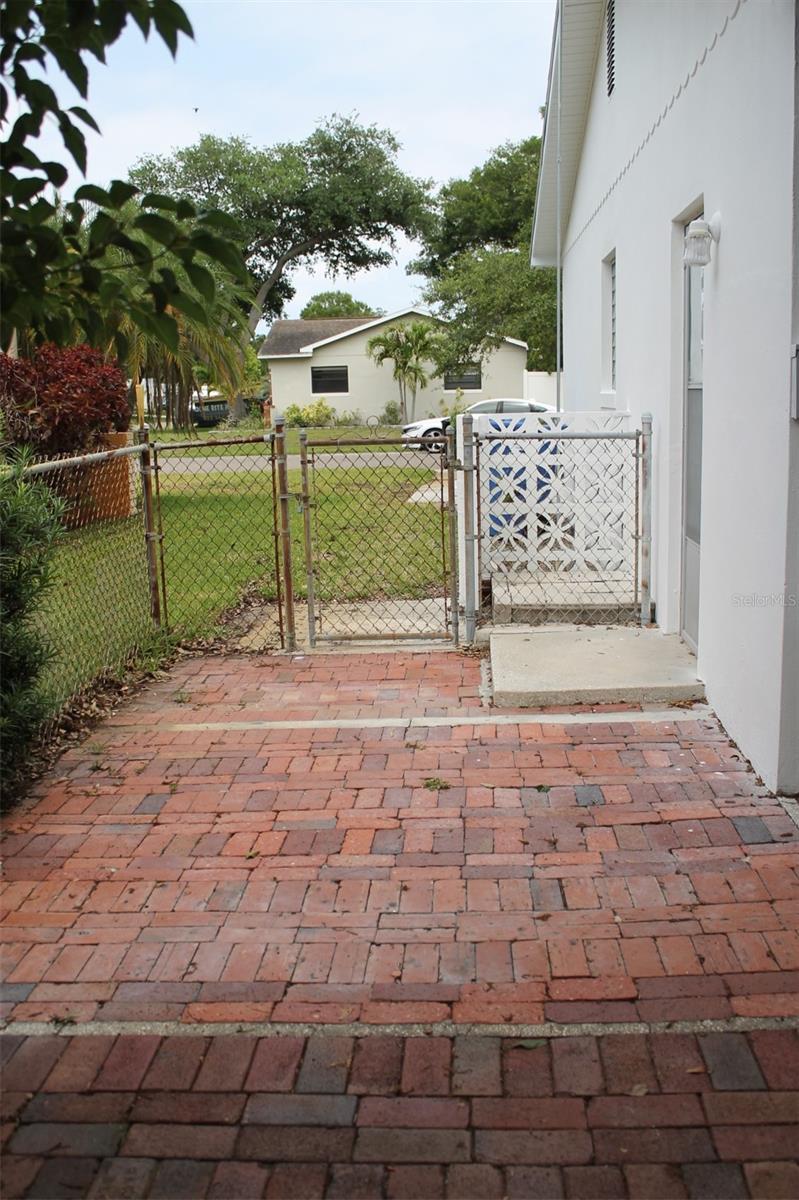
62,401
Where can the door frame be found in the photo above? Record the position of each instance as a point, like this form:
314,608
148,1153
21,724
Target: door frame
693,644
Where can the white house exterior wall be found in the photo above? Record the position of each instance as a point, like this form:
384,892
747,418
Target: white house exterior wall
703,118
372,387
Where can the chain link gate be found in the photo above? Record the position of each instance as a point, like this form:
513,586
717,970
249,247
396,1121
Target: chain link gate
379,539
215,524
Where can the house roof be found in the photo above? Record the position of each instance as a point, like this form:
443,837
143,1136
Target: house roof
288,337
582,22
299,339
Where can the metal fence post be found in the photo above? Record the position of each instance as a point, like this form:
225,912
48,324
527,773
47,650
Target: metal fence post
469,535
646,517
285,530
150,531
306,529
452,519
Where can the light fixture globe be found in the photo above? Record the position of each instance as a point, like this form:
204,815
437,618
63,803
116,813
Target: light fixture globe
699,237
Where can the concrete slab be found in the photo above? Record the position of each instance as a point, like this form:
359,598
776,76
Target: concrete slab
590,665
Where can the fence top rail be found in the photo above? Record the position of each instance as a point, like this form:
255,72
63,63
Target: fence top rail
81,460
558,435
364,442
263,439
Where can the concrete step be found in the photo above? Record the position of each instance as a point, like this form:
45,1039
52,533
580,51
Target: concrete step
574,664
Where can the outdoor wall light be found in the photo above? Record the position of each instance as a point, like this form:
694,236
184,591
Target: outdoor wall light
698,239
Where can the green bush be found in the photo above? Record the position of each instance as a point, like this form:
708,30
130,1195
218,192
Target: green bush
317,415
391,414
349,420
30,523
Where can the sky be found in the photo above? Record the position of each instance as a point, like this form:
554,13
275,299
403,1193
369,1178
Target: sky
451,78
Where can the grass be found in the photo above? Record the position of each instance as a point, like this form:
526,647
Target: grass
218,543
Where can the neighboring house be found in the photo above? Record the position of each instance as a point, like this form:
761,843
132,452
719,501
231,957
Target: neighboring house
328,358
668,112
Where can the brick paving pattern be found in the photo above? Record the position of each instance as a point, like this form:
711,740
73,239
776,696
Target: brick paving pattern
195,862
662,1116
480,873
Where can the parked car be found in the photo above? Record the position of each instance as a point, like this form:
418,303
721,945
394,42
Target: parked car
426,434
208,410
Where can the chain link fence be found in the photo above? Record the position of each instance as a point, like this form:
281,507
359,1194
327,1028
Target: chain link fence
377,539
97,613
215,505
558,516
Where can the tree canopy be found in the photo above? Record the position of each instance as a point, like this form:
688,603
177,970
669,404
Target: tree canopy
476,256
338,197
65,265
337,304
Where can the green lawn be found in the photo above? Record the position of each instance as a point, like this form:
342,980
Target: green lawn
219,541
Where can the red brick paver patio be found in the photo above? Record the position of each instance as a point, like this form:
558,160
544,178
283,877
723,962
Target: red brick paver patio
358,841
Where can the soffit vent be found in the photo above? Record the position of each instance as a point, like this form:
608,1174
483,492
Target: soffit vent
611,45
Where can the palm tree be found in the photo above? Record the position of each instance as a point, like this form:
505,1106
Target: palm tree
411,348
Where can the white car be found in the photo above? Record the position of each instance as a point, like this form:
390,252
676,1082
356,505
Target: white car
427,434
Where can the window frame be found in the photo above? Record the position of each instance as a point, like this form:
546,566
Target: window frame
460,374
328,391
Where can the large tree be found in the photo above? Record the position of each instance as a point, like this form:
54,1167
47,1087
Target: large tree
65,265
476,257
338,197
337,304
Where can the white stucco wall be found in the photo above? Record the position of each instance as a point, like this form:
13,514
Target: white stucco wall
372,387
723,75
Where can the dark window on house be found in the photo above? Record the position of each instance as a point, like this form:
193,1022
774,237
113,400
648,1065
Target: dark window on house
468,379
611,45
326,380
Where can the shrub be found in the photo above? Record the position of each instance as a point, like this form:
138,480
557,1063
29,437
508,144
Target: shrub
349,420
29,526
62,400
317,415
391,414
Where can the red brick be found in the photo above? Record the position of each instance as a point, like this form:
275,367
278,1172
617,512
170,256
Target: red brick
176,1063
594,1183
534,1147
376,1066
32,1063
773,1180
426,1066
652,1145
627,1064
180,1141
655,1181
326,1064
70,1139
634,1112
679,1064
237,1181
576,1067
534,1183
412,1145
518,1113
407,1112
409,1183
477,1181
285,1143
181,1177
777,1052
195,1108
127,1062
752,1108
19,1171
77,1067
749,1143
123,1179
714,1181
88,1108
476,1069
274,1065
226,1064
303,1181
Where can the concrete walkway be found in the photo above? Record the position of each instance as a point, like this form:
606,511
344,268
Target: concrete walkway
407,894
